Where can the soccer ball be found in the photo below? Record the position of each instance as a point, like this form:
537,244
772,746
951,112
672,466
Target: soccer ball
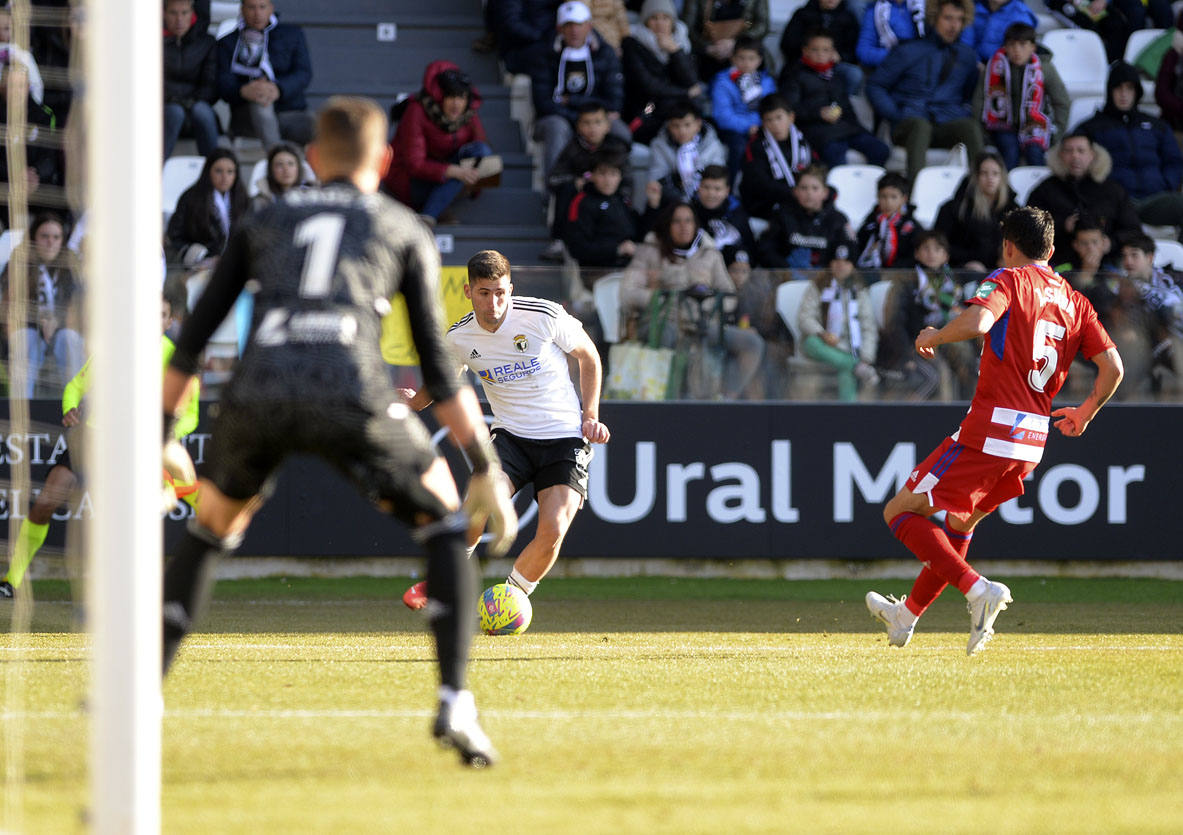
505,610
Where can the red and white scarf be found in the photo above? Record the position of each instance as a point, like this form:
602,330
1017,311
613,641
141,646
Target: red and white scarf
1034,128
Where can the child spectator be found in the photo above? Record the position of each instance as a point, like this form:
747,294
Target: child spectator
1161,294
680,152
736,93
1088,267
573,167
836,18
600,225
1021,99
885,238
820,94
774,158
936,298
804,228
724,219
837,323
716,26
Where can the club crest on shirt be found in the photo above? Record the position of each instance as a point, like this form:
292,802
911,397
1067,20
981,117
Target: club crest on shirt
521,343
985,289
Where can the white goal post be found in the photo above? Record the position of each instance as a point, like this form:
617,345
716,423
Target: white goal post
122,98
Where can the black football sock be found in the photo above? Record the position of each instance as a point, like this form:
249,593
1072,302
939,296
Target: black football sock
451,597
188,580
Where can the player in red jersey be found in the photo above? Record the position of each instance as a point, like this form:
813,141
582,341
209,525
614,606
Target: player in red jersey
1034,323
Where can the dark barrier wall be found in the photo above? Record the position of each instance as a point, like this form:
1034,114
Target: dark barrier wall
762,481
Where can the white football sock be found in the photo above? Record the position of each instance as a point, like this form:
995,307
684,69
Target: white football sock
470,550
515,578
977,589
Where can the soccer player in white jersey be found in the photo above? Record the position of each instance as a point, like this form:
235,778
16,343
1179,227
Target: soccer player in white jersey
518,347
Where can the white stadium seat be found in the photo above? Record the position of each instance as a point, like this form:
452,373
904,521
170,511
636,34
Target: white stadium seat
1083,108
1139,40
1079,56
179,173
1024,178
606,292
10,239
788,303
879,292
934,185
857,189
1168,253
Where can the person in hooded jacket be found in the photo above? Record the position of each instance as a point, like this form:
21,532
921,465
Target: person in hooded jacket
1145,153
659,66
440,146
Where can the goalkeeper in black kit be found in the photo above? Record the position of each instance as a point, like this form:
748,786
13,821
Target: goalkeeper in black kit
312,380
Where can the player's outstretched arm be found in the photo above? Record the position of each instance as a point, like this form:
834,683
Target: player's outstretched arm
972,322
488,499
1073,420
591,375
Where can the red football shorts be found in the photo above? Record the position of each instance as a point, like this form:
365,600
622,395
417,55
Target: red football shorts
961,480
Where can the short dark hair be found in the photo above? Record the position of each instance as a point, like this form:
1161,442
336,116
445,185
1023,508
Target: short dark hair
607,158
454,83
716,172
893,179
814,170
923,236
1138,240
590,106
680,109
750,44
1019,33
1030,229
1086,221
488,263
817,32
774,101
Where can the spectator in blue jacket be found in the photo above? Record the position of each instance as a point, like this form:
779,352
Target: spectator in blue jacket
886,24
1146,157
520,26
263,71
579,66
990,21
735,98
925,86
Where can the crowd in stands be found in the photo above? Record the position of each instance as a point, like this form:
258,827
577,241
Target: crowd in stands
739,140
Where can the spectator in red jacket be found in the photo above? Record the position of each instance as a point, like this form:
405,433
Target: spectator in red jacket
440,147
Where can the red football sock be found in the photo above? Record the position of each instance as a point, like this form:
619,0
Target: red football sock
925,590
958,539
932,547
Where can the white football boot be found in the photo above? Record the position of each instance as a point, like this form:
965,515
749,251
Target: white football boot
982,613
456,727
894,615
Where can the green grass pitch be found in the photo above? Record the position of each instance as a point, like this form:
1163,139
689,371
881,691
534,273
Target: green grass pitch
639,706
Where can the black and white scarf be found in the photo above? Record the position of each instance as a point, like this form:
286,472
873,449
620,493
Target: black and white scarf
571,81
842,313
882,16
250,53
799,154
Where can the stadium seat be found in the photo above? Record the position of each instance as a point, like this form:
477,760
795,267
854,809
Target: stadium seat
879,292
606,292
856,187
179,173
10,239
808,379
226,27
788,302
1168,253
934,185
259,172
1024,178
1079,56
1083,108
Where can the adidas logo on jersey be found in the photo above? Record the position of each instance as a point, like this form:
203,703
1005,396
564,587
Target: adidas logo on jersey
475,354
